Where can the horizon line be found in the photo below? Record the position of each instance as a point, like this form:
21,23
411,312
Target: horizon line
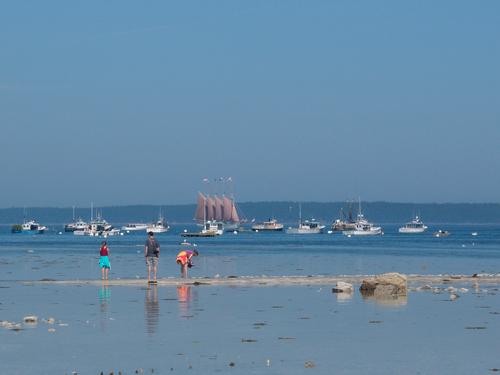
252,202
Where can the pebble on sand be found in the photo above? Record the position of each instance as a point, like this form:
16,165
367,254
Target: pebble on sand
30,319
309,364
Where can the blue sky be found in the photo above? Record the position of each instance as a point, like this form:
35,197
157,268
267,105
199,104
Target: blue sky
126,102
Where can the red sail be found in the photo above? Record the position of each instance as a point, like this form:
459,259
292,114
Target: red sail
219,209
210,208
200,209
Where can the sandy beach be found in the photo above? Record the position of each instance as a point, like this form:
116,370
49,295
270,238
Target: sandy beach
277,280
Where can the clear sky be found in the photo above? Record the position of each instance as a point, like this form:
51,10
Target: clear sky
128,102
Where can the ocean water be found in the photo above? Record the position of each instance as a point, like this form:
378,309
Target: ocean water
34,257
248,330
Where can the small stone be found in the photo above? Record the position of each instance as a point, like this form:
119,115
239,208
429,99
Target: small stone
31,319
343,287
309,364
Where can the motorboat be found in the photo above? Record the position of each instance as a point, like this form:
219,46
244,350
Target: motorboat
414,226
363,227
210,229
77,225
132,227
271,225
441,233
216,227
307,227
97,227
29,227
344,223
160,226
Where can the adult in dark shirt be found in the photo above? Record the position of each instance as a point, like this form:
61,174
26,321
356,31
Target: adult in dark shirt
152,253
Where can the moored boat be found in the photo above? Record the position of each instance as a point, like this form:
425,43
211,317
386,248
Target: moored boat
210,229
77,225
271,225
29,227
343,223
306,227
441,233
132,227
363,227
160,226
218,208
415,226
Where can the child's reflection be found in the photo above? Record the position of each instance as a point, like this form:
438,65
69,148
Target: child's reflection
104,301
184,296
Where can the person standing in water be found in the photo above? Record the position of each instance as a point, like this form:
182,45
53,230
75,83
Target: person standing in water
104,260
152,254
184,259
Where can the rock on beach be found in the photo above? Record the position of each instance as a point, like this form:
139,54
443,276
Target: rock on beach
385,285
343,287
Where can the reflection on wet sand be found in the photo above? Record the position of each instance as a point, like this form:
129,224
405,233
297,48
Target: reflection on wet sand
185,296
344,297
151,309
386,300
104,295
104,301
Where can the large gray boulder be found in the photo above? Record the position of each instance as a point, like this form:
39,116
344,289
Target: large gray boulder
386,285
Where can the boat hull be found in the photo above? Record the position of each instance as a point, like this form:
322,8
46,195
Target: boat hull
267,228
371,232
134,227
199,234
304,231
411,230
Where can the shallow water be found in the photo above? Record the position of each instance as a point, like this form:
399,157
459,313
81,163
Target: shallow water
24,257
261,330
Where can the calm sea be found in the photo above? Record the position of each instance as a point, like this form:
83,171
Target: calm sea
65,256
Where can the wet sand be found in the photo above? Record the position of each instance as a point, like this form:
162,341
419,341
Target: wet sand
275,280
